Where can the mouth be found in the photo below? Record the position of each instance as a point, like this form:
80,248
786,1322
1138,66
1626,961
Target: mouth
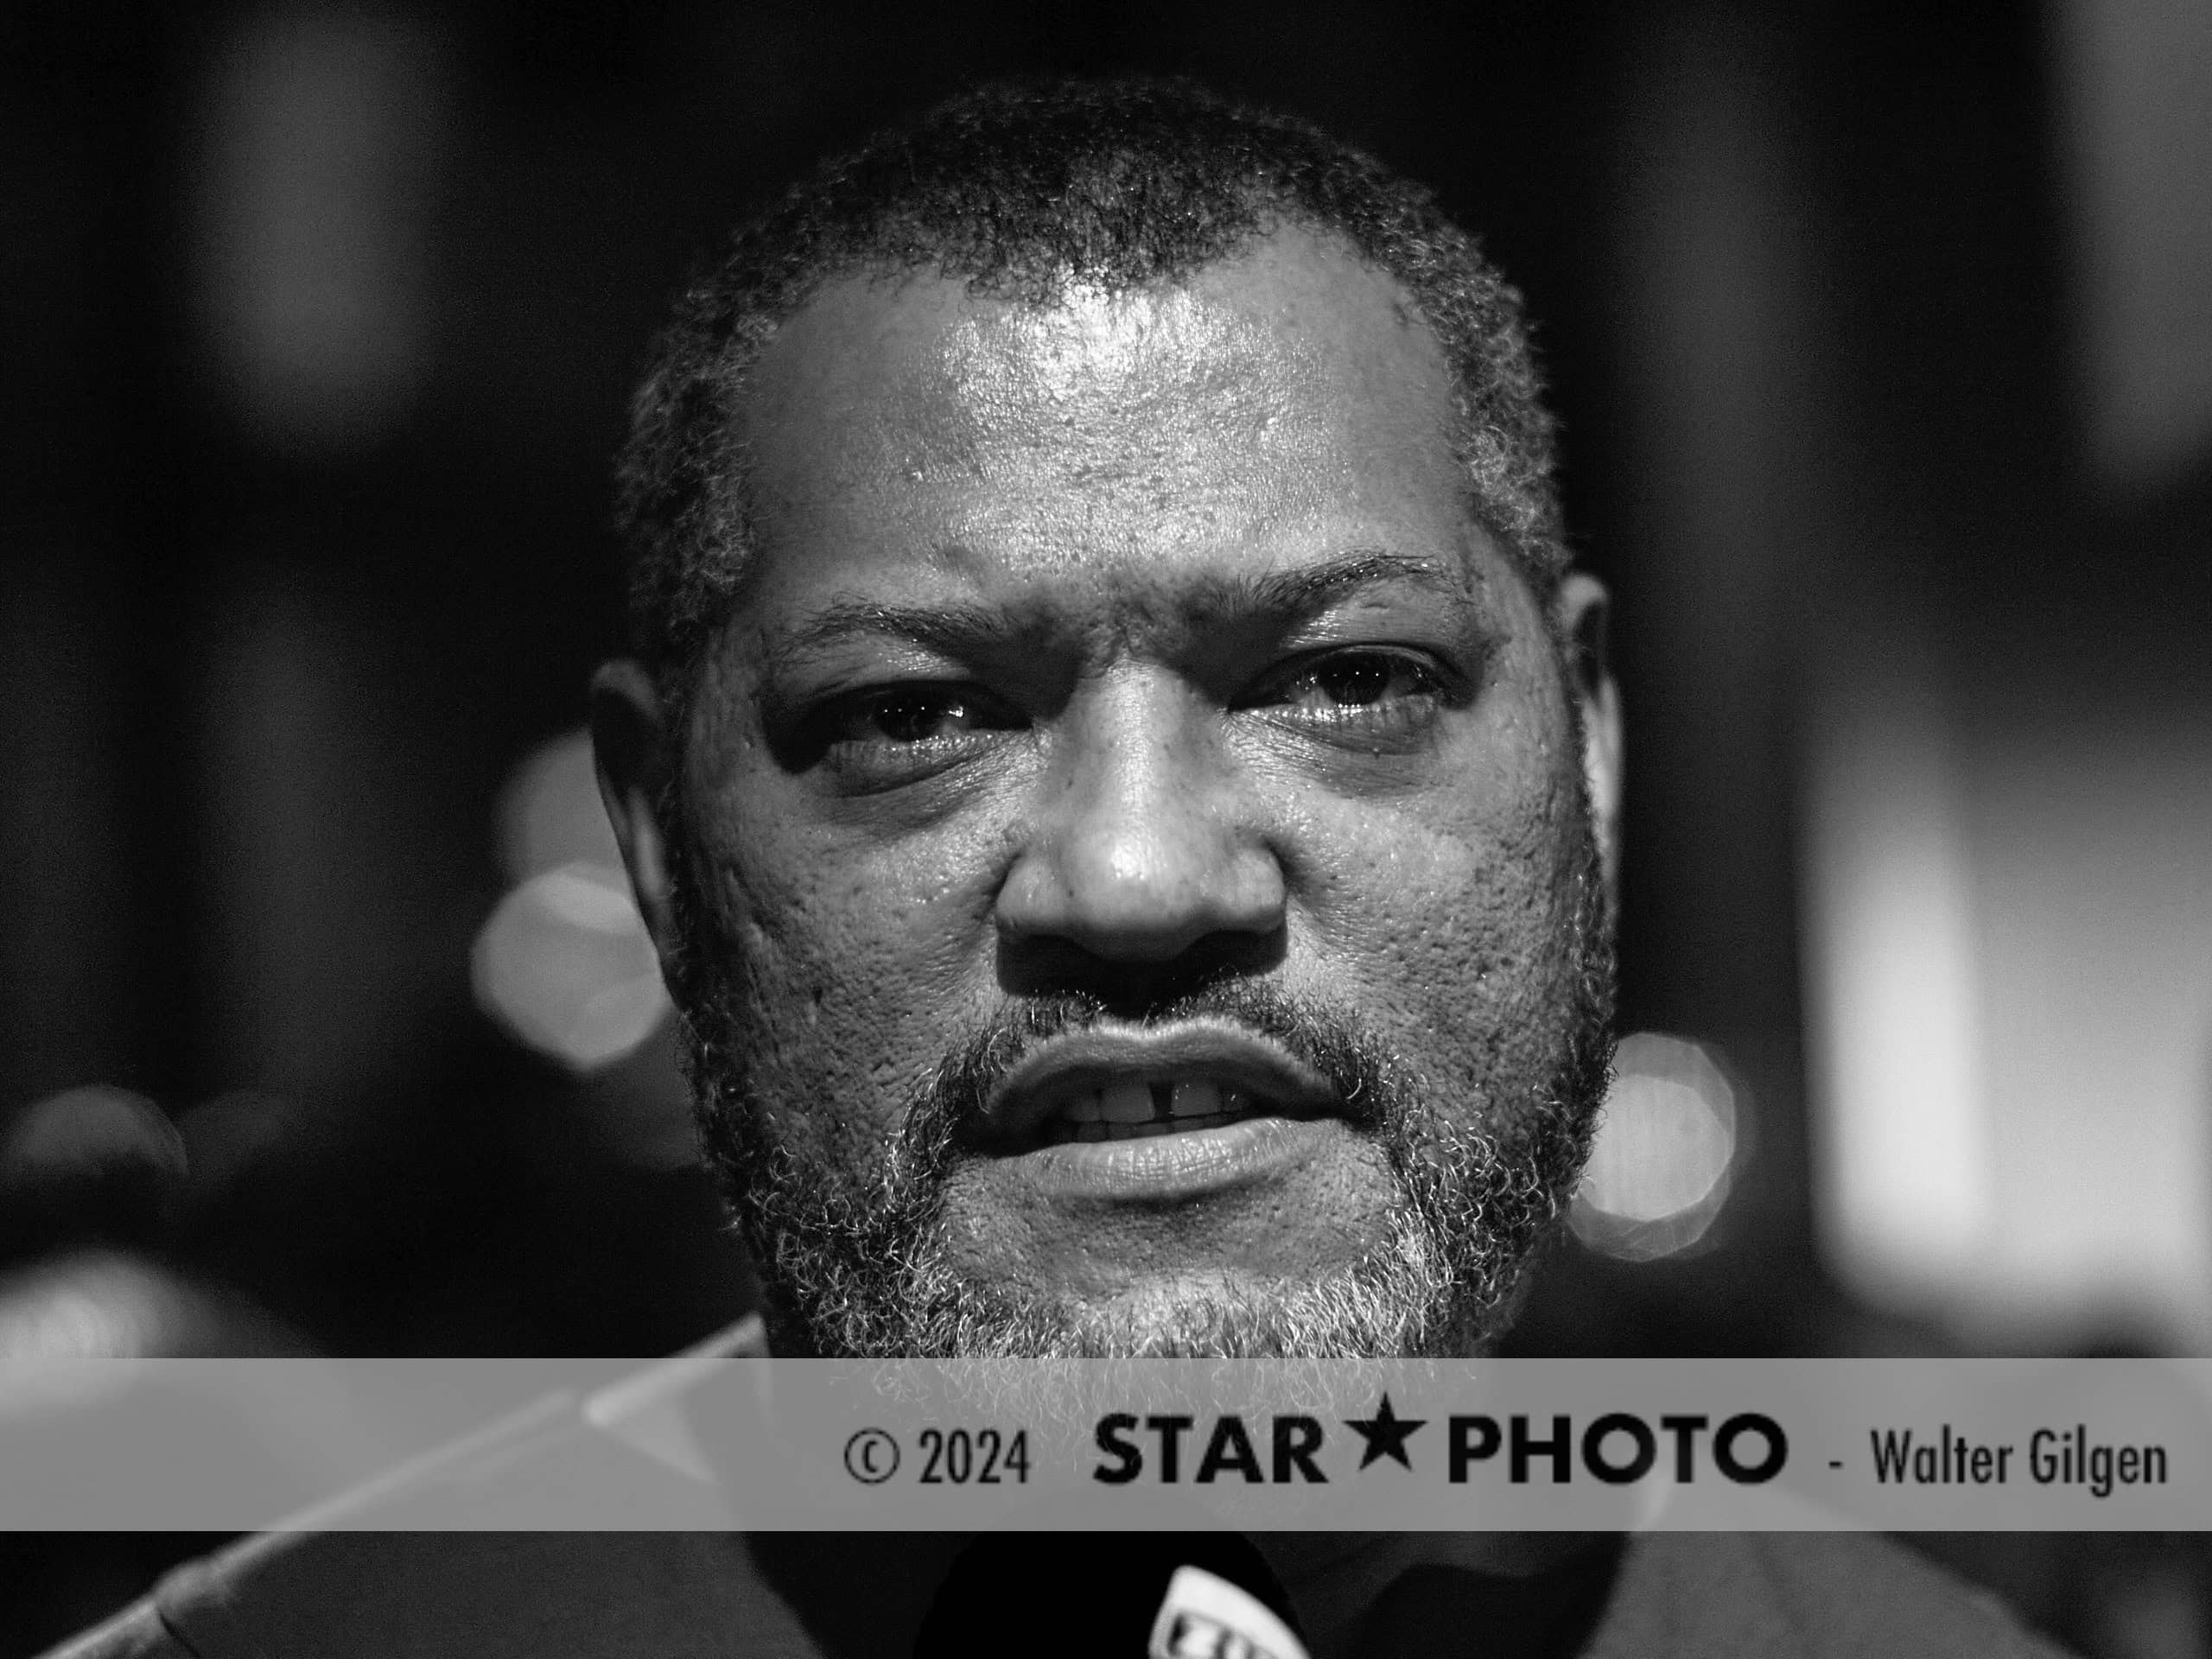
1132,1108
1140,1084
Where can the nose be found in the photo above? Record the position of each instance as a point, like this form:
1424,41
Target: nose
1147,841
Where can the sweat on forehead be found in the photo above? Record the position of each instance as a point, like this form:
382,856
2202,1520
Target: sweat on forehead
1276,354
927,357
1037,195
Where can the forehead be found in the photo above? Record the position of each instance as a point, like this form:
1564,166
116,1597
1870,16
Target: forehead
1287,395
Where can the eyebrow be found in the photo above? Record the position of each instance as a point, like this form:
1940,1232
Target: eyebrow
962,630
1297,594
965,631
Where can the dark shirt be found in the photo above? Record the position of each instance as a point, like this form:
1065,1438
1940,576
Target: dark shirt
673,1595
632,1595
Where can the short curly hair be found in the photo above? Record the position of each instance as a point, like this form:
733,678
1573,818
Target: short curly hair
1023,190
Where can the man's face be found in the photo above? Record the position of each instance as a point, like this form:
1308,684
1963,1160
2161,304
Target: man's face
1137,887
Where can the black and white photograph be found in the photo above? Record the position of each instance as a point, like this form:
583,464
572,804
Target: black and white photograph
698,684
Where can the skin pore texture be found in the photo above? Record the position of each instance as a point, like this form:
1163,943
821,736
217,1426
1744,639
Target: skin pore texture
1124,696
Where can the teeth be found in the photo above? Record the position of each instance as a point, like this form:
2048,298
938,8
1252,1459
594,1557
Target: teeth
1194,1100
1125,1102
1137,1107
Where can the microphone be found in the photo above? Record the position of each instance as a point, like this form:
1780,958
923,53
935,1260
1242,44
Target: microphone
1205,1617
1111,1595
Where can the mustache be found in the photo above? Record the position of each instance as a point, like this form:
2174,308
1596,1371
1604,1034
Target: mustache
944,1116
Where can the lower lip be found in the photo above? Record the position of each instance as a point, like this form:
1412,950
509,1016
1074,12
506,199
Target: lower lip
1168,1168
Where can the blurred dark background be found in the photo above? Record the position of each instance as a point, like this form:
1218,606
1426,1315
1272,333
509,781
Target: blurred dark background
1883,339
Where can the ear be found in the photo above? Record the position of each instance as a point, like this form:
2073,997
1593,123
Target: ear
1585,610
634,753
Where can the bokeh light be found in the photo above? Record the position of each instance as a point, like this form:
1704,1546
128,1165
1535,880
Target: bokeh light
550,812
313,185
82,1131
1666,1146
565,963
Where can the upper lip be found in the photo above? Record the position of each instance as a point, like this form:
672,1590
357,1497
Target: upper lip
1060,1066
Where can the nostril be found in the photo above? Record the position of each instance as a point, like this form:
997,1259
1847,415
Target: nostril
1127,987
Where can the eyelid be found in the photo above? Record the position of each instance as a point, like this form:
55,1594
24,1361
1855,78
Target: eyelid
979,699
840,725
1442,679
805,730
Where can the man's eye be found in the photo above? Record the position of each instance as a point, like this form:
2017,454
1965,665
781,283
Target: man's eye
917,715
1339,686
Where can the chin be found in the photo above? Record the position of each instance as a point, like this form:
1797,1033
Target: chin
1400,1301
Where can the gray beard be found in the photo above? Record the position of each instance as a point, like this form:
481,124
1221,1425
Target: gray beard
852,1262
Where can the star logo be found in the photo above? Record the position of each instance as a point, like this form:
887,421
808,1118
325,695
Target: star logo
1386,1433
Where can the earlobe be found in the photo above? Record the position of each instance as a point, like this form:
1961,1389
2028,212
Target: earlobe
1585,610
632,749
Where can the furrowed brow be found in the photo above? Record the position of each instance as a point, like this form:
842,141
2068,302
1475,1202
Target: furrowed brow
1311,588
956,630
970,632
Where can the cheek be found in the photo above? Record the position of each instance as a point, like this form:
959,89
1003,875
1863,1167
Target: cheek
1449,916
1436,917
860,969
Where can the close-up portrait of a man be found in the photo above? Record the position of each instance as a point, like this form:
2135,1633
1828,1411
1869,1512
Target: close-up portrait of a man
1120,774
1090,739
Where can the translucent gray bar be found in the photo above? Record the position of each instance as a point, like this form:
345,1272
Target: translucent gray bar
792,1445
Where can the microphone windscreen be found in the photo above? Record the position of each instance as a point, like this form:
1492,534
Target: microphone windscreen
1111,1595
